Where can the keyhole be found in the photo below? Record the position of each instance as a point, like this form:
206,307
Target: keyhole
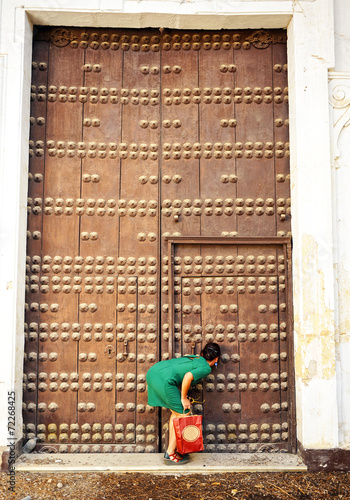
110,351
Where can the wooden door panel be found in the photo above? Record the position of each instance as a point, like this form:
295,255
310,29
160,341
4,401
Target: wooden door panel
62,163
96,358
281,133
57,363
126,359
217,137
101,126
34,233
180,132
254,114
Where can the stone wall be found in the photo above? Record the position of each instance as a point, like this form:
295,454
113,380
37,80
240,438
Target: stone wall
319,72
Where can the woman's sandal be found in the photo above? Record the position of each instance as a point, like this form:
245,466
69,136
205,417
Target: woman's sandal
183,455
174,459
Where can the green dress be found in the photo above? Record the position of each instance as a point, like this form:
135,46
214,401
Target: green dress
165,378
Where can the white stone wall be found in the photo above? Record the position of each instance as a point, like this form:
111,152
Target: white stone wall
339,93
318,41
342,35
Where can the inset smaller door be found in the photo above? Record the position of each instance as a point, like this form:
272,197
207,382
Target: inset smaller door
237,293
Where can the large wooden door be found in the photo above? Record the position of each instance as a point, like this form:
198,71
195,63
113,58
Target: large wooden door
139,139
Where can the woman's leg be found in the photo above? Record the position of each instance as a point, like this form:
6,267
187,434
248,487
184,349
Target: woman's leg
172,436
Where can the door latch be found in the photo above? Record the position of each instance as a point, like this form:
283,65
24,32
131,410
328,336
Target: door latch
125,353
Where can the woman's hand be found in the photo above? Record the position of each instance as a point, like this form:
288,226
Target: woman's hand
186,403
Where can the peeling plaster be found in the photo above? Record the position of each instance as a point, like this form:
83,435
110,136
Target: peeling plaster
310,372
319,58
316,327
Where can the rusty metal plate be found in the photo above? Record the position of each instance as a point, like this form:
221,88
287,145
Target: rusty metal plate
138,136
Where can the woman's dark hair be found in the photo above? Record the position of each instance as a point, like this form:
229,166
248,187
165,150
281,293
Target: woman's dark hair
211,351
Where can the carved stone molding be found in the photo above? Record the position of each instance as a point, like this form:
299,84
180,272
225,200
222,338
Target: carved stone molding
339,99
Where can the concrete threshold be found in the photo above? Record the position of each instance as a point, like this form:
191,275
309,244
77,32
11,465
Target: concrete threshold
204,463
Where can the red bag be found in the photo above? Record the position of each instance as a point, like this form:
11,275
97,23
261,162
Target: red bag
189,436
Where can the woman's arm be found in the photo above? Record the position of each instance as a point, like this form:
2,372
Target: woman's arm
186,383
